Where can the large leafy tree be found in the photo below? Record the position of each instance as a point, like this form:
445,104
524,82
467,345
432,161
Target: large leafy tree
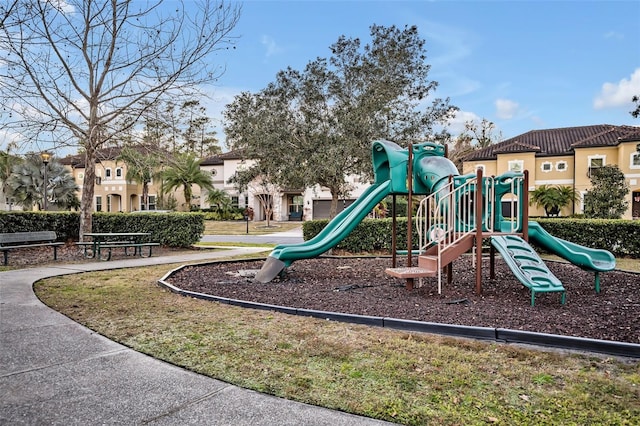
184,173
316,126
71,69
28,187
553,198
606,198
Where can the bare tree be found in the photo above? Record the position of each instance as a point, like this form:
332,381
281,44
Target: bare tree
482,133
69,69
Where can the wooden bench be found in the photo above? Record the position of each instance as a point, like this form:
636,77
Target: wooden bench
20,240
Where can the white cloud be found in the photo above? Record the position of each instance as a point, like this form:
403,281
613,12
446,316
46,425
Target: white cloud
272,48
63,6
614,35
456,125
618,94
448,44
506,109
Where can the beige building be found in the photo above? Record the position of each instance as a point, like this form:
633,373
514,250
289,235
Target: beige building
566,157
112,191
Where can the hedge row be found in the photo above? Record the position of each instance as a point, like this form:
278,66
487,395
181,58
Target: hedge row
169,229
369,235
621,237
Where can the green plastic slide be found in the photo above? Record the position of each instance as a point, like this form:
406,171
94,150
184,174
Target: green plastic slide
527,266
589,259
329,237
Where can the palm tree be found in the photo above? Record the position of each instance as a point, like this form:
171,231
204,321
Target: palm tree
140,168
184,173
26,184
553,198
219,200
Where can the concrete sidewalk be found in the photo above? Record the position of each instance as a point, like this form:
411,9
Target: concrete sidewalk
55,371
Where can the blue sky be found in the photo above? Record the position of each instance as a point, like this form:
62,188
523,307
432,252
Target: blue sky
523,65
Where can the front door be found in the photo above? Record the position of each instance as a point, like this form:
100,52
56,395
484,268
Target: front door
635,206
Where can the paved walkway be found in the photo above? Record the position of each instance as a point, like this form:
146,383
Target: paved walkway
54,371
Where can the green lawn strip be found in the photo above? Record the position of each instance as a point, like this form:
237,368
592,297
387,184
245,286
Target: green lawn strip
401,377
240,227
232,244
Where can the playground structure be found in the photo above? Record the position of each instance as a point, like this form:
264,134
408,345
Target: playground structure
456,214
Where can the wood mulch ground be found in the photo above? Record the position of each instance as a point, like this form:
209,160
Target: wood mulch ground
360,286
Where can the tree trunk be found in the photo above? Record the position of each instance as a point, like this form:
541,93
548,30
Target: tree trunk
145,195
333,210
88,190
187,197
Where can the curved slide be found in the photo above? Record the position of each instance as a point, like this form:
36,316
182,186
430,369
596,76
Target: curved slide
589,259
335,231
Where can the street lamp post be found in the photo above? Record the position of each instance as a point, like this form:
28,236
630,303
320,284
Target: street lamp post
46,157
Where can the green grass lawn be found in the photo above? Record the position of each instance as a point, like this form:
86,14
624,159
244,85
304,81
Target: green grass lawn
231,227
408,378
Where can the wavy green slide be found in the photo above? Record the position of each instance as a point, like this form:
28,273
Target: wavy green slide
335,231
527,266
589,259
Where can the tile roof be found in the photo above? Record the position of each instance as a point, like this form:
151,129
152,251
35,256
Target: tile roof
562,141
217,160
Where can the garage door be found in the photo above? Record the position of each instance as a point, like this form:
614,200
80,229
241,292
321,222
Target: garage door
321,208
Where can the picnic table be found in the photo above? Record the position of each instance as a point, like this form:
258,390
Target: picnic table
102,243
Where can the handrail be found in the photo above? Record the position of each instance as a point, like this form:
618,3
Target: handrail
446,217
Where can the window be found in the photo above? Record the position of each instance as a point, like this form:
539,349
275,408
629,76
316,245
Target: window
635,160
234,201
561,166
296,203
107,174
99,203
595,162
119,172
516,165
108,203
152,202
546,167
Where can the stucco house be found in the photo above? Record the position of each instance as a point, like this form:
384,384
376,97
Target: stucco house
112,191
566,157
287,203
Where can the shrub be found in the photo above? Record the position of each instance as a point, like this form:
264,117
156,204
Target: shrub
621,237
170,229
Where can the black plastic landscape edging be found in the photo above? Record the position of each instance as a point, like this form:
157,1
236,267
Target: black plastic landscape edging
502,335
